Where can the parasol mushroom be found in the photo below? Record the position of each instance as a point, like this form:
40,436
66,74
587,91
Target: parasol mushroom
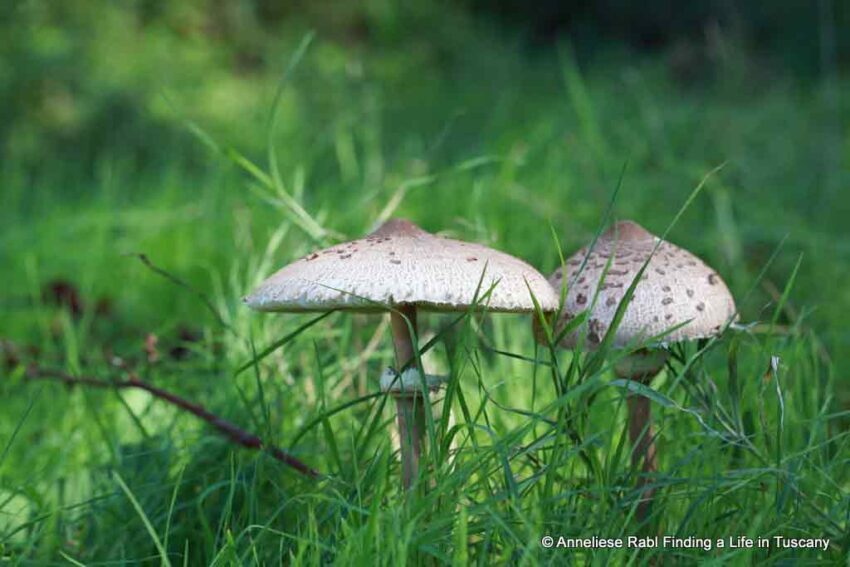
403,269
679,298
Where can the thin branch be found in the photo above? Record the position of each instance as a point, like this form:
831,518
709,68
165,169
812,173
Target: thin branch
229,430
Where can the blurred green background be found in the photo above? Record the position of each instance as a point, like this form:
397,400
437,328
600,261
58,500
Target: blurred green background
148,126
525,115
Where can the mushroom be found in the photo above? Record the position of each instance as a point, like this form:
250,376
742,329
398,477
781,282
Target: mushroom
401,268
679,298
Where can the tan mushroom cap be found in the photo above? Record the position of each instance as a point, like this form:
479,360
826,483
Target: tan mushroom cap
677,288
401,264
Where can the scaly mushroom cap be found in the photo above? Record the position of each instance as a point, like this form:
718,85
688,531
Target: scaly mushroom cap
676,288
401,264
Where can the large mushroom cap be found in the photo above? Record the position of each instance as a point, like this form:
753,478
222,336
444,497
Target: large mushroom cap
677,288
401,264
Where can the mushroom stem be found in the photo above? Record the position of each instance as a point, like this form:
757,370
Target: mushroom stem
642,436
410,406
642,367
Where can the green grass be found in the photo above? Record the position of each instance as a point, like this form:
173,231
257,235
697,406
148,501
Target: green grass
536,443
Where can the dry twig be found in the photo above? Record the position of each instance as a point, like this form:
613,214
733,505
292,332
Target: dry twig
229,430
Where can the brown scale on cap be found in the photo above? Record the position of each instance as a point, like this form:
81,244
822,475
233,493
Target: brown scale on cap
397,227
687,293
596,330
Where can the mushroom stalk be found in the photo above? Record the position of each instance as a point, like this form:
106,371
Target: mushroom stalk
642,366
410,405
641,433
642,436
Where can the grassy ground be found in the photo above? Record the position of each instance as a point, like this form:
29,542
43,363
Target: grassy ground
489,146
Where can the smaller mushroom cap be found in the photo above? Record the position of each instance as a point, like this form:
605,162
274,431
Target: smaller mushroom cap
401,264
677,291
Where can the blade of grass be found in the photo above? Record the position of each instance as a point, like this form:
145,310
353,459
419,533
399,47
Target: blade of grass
148,526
